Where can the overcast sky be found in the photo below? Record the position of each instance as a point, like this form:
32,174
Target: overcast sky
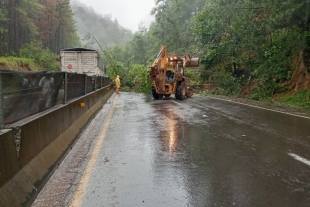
129,13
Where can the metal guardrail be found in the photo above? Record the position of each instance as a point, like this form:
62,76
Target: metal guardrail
23,94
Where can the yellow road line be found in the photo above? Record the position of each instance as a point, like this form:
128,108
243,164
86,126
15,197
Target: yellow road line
77,198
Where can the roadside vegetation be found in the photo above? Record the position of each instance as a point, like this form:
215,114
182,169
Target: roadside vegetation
17,63
32,57
301,99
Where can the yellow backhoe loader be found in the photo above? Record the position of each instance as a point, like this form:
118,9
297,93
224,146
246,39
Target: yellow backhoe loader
167,75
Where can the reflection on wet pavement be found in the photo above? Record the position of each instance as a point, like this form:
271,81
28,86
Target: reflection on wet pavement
198,152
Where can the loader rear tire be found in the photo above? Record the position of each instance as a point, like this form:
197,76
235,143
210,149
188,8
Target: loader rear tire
180,93
156,95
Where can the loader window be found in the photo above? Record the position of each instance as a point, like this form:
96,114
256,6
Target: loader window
169,77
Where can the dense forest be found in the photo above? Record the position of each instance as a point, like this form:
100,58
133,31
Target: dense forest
32,32
107,31
248,48
25,21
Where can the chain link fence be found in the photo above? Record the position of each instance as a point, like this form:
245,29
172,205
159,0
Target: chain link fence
90,83
23,94
75,85
98,82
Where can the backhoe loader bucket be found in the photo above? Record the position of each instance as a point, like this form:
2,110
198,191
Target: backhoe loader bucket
193,63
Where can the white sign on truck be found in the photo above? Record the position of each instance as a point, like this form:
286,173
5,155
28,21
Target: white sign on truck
82,61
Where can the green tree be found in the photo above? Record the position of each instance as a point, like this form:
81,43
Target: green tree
139,45
257,39
24,21
3,17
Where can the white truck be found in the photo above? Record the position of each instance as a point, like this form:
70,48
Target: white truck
82,61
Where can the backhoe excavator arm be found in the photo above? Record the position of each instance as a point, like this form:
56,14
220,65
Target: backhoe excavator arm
159,69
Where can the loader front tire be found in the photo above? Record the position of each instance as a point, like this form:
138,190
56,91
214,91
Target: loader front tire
156,95
180,93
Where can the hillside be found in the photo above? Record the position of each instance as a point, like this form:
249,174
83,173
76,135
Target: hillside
89,23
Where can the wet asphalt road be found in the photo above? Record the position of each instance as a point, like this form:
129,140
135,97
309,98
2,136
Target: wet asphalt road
197,152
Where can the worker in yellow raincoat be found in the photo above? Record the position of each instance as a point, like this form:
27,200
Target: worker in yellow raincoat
118,84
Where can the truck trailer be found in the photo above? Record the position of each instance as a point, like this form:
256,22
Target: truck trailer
82,61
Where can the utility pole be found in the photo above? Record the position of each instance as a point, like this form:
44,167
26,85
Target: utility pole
106,54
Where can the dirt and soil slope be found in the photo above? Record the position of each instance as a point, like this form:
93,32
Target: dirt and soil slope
18,64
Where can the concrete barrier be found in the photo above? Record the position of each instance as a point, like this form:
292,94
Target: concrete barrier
44,140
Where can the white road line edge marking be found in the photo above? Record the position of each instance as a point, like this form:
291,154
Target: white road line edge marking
299,158
261,107
176,102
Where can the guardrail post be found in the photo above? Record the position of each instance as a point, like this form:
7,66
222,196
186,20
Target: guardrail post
85,85
66,88
101,86
1,104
